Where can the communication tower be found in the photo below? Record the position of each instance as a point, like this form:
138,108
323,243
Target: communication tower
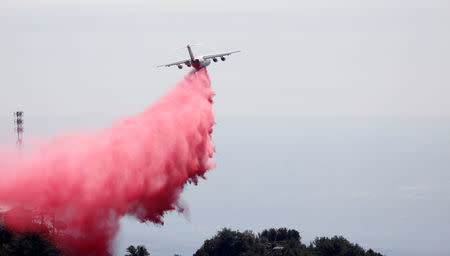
18,121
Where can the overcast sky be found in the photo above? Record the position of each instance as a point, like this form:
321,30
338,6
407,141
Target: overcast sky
334,119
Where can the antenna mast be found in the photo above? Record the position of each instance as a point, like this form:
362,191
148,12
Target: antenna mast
18,121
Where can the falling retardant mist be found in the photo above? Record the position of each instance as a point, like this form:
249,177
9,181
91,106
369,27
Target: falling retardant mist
77,187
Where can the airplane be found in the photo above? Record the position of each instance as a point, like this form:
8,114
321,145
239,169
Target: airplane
200,62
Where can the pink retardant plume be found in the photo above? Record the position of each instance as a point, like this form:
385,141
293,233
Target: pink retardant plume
76,187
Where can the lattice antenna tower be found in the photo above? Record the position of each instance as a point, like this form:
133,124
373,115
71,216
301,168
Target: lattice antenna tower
18,121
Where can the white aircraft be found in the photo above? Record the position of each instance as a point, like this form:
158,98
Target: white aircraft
199,62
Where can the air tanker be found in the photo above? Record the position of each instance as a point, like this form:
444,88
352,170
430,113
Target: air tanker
198,62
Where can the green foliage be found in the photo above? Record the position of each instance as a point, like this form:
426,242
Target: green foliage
281,234
370,252
277,242
228,242
12,244
270,242
140,250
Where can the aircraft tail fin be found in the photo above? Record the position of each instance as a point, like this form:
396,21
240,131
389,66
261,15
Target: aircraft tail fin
191,54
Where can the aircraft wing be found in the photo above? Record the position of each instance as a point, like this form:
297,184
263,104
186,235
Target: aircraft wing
175,63
212,56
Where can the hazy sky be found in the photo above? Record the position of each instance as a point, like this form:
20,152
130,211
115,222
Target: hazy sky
334,119
177,5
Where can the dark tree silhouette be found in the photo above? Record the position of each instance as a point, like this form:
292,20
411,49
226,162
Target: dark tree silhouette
277,242
25,244
5,236
140,250
336,245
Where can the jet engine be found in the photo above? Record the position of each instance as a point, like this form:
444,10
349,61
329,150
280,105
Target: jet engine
215,59
222,58
180,66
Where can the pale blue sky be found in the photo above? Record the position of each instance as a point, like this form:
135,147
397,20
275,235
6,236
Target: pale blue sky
333,120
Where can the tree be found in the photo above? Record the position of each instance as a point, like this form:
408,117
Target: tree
277,242
140,250
229,243
336,246
5,236
370,252
25,244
